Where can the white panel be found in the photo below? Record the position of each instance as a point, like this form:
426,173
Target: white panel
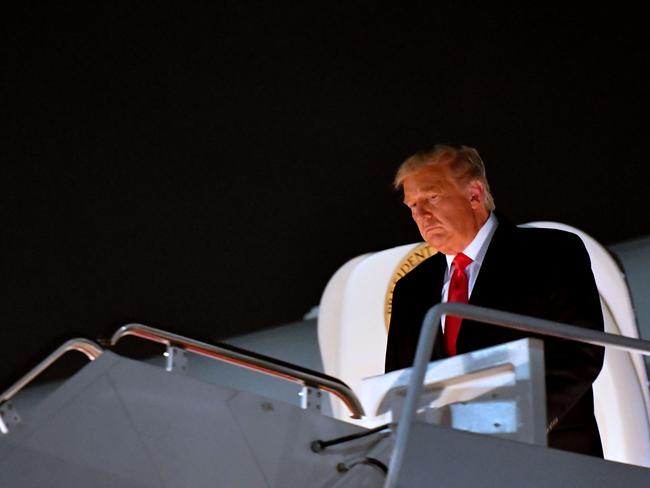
351,326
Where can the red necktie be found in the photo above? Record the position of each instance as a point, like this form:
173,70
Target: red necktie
458,292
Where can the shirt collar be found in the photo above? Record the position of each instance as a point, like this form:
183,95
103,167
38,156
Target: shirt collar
478,247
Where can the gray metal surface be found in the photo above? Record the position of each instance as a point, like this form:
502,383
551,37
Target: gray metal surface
449,458
120,423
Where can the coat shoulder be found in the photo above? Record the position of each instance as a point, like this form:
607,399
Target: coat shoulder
423,271
549,240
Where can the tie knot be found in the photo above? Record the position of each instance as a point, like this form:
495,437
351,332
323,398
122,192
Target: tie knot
461,262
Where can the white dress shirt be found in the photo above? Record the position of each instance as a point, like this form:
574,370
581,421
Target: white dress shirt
476,252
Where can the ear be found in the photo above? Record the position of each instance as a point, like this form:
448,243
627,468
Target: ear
476,194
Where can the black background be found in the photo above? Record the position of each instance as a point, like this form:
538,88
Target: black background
206,168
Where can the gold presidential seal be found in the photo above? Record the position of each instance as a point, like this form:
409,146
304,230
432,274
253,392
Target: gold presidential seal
406,265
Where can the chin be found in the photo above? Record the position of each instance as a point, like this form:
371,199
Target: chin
434,239
436,244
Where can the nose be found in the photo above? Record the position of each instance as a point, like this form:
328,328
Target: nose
421,212
422,218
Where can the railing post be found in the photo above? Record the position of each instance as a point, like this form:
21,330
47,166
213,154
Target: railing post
310,398
8,417
176,359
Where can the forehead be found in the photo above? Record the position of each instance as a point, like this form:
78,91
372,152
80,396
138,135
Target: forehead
438,177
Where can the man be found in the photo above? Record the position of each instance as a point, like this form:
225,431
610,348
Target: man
484,260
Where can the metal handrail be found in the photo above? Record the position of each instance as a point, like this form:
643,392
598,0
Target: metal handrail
496,317
249,360
85,346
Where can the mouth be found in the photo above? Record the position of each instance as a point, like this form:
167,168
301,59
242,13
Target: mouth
430,228
432,233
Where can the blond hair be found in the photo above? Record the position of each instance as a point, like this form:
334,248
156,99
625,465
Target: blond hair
464,162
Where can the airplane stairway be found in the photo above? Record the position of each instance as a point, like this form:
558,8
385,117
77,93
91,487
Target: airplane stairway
122,423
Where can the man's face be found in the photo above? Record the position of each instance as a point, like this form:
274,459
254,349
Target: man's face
447,214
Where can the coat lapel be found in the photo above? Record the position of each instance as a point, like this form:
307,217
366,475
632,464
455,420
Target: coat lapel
435,276
493,268
490,289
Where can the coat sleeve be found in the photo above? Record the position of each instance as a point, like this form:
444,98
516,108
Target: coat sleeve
572,367
401,343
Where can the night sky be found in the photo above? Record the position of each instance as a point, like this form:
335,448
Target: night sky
206,168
